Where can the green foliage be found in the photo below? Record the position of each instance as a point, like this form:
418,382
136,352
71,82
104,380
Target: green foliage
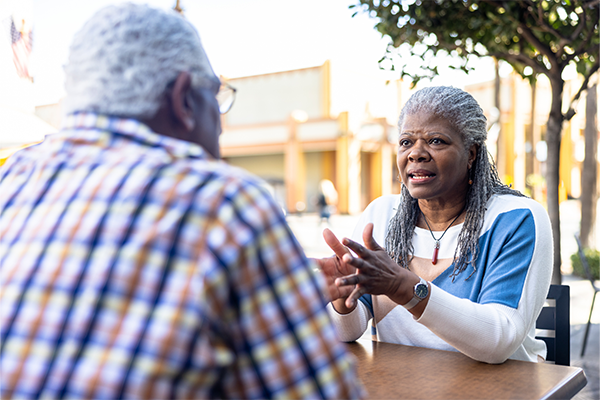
593,260
545,35
542,35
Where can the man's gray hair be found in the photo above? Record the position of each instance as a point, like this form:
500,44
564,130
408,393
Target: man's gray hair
463,112
123,58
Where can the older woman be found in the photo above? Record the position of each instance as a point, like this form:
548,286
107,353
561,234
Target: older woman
466,261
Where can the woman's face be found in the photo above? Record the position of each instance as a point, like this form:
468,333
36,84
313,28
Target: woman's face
432,159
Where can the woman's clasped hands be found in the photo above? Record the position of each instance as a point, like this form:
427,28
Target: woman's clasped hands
372,271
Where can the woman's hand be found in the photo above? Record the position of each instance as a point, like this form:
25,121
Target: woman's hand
333,267
377,272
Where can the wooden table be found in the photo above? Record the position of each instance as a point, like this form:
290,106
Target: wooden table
392,371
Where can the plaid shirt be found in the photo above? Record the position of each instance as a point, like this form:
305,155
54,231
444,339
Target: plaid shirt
136,266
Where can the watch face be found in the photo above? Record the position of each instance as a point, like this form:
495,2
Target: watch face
421,290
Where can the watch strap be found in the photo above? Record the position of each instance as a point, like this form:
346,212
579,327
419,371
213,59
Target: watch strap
415,300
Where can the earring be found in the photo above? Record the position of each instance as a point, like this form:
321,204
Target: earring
470,172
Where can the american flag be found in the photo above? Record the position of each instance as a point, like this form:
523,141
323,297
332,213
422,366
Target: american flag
21,47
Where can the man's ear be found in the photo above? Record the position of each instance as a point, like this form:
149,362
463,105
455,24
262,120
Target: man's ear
181,101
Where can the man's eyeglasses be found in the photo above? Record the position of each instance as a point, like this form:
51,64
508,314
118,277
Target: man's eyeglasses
225,97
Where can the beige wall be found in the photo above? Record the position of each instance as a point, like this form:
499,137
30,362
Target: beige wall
273,97
269,166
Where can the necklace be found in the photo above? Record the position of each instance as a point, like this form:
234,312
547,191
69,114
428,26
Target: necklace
436,247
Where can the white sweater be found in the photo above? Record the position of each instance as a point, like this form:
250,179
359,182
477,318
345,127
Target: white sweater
490,316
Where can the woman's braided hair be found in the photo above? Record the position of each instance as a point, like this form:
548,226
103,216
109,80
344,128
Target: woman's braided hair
461,110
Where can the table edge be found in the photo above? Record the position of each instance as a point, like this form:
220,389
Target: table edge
575,382
567,388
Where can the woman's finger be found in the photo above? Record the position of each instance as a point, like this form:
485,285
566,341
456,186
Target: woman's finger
356,262
333,242
351,280
354,296
368,239
345,291
359,249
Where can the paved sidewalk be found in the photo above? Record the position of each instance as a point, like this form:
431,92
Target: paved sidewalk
581,300
308,229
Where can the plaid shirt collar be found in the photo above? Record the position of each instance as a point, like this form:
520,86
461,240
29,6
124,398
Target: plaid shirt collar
134,130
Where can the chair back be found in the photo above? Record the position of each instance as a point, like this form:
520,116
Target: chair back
555,326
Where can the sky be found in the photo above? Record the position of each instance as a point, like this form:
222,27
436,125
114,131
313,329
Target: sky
241,37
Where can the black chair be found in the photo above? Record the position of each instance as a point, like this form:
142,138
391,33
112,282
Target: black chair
588,273
554,321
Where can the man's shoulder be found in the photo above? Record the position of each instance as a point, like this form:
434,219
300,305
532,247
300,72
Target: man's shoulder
219,169
232,183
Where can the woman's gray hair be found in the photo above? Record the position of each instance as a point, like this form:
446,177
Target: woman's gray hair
123,58
463,112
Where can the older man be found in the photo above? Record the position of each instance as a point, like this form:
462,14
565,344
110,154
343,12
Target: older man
137,265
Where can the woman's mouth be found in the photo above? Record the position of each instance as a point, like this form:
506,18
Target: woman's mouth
420,177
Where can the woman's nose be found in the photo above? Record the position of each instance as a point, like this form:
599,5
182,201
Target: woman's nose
418,152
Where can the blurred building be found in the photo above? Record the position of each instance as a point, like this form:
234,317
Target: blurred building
296,128
520,150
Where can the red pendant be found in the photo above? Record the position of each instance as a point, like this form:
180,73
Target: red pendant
436,248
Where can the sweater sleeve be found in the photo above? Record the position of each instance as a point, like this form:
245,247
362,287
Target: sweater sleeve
494,334
350,326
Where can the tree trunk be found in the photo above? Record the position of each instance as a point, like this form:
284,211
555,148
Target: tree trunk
497,105
530,151
589,192
553,137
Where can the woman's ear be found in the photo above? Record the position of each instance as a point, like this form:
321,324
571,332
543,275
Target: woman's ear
472,155
182,101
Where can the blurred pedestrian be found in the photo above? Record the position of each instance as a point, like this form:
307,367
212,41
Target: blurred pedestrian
326,200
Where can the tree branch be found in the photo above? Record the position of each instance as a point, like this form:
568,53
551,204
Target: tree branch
524,30
521,59
588,37
571,112
545,50
580,25
541,22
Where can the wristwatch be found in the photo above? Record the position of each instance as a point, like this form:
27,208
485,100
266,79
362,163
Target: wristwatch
421,290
